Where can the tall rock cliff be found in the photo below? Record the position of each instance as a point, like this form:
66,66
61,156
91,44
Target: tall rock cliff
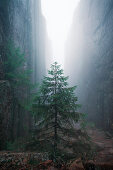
15,26
22,22
89,59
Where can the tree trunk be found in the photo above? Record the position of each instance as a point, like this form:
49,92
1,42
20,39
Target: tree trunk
55,123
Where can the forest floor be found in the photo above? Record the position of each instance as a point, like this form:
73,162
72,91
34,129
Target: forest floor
104,142
31,161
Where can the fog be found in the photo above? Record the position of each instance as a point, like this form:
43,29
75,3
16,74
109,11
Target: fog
59,15
80,35
88,58
41,123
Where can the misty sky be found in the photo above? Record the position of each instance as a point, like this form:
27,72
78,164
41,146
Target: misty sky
58,14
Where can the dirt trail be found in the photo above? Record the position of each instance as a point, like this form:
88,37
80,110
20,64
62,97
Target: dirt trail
104,144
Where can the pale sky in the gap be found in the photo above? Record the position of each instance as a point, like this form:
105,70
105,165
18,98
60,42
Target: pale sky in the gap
58,14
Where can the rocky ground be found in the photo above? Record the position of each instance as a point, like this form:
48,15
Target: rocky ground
35,161
104,142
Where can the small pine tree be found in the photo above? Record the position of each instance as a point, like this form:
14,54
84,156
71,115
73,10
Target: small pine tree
55,110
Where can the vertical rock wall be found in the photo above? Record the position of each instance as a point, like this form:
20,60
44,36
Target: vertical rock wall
22,22
5,112
39,36
15,25
89,59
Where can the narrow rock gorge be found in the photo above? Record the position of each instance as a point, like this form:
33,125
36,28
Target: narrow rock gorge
43,116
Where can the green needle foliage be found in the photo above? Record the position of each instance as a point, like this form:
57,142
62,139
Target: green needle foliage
15,66
55,111
17,73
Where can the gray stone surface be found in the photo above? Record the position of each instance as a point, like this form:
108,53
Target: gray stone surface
19,23
89,58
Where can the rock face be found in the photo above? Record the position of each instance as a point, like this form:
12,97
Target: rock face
89,59
39,38
22,22
14,25
5,112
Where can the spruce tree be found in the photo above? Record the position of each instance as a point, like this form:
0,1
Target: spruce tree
55,110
